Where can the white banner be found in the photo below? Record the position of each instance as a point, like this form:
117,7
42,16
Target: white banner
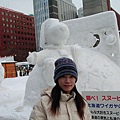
104,105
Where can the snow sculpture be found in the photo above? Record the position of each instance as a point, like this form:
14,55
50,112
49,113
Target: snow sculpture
54,36
93,66
1,73
101,28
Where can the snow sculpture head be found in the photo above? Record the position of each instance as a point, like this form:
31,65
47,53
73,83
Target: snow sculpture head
53,32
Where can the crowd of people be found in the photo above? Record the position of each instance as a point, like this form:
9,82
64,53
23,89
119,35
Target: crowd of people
24,70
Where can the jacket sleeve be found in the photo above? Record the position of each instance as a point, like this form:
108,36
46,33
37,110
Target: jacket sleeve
38,112
87,113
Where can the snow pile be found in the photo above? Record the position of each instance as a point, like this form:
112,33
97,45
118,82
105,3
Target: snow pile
11,99
1,73
7,58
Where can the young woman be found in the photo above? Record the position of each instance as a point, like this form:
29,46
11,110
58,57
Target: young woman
63,102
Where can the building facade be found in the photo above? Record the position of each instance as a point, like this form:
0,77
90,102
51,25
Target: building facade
80,12
91,7
44,9
67,10
17,34
94,6
118,19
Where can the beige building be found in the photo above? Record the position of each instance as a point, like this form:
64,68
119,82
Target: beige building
94,6
66,10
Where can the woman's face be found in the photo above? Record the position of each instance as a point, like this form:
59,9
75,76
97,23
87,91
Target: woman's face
67,82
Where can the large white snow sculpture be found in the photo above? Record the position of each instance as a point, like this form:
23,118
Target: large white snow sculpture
96,70
44,60
102,27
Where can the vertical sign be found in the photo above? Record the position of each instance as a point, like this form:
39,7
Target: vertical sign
104,105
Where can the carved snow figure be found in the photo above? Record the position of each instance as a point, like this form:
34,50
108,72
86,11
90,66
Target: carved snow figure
96,70
54,35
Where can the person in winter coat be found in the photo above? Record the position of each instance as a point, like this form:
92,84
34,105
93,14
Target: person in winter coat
63,101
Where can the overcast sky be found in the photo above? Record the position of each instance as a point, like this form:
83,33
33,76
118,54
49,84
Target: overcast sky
26,6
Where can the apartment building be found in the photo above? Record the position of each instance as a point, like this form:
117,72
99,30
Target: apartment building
17,34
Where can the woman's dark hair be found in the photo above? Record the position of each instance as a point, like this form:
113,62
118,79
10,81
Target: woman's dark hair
55,104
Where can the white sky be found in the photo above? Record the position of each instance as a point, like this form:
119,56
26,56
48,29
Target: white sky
26,6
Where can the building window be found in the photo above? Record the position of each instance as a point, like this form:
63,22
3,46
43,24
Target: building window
3,19
10,15
12,44
6,19
14,26
8,36
4,42
10,25
4,36
7,31
6,14
11,37
3,24
13,15
7,25
10,20
18,37
11,31
2,13
15,37
20,17
18,21
3,30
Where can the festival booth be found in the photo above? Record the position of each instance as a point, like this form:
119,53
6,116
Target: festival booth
10,69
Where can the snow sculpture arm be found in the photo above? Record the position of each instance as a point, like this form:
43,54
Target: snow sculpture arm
38,57
48,71
32,58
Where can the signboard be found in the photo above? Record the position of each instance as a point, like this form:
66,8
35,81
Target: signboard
104,105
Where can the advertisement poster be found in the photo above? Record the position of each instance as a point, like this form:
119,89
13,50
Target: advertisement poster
104,105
